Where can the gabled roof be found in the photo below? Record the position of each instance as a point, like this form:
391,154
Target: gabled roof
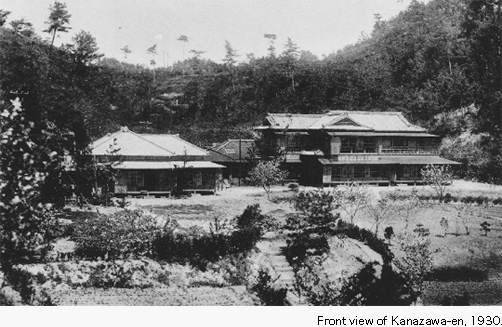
155,145
231,148
371,121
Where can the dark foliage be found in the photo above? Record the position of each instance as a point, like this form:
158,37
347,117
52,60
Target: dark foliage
268,294
203,249
305,244
456,300
366,288
457,274
121,235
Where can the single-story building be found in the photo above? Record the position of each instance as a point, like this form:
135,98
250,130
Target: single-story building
155,164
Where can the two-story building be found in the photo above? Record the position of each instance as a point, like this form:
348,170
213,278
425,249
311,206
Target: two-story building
372,147
155,164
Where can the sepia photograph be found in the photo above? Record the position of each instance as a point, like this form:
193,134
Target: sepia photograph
191,153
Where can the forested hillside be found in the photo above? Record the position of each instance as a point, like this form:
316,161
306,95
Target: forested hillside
428,62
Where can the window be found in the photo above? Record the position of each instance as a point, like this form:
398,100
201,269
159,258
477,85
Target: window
135,180
359,172
353,144
369,145
379,172
349,144
399,142
336,173
198,178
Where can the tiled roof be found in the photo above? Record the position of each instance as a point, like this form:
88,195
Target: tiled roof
344,121
132,144
231,148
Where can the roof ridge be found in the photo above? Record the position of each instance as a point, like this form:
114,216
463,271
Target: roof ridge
125,129
222,154
190,144
288,114
365,112
157,145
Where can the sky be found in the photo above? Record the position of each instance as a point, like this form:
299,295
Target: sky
320,26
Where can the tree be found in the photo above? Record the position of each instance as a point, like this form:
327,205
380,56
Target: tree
26,225
290,56
379,213
444,224
416,261
485,227
266,174
408,208
352,197
197,53
465,216
153,52
439,178
184,39
230,60
317,206
126,51
21,26
3,17
84,48
230,56
58,18
271,41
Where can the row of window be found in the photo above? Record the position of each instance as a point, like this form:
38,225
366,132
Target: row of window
373,172
161,180
352,144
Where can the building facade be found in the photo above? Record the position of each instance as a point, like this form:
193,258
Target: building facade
235,155
155,164
380,148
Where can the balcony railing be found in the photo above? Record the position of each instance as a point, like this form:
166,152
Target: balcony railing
411,150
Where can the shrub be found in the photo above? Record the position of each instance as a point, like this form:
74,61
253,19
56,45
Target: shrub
235,268
417,260
304,244
317,206
457,274
252,218
456,300
202,248
268,294
294,187
123,234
